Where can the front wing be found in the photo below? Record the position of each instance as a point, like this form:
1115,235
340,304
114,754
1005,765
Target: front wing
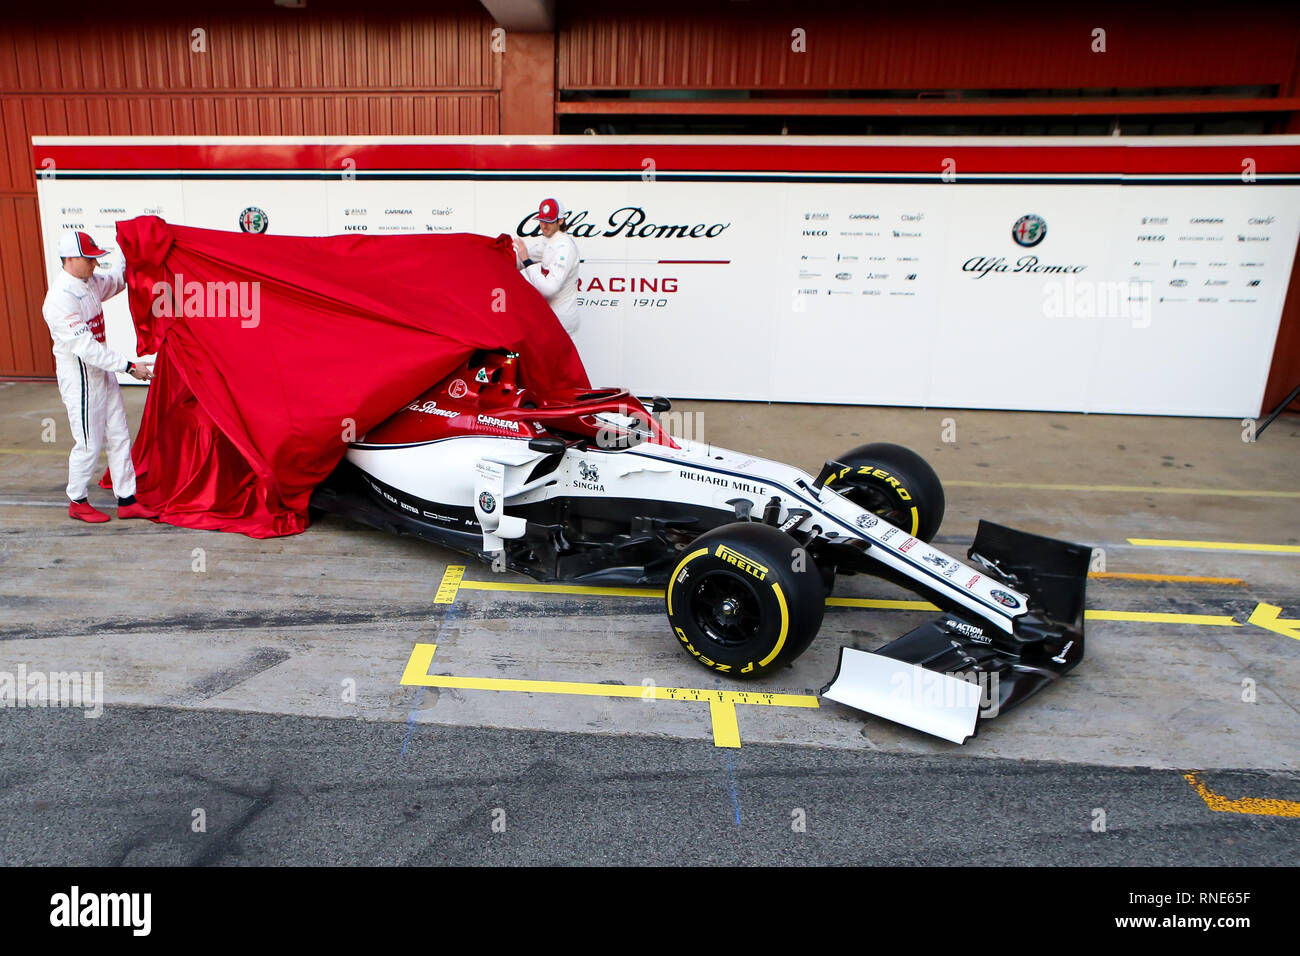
947,674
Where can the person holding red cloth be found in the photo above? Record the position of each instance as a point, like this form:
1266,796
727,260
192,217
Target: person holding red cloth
550,263
86,370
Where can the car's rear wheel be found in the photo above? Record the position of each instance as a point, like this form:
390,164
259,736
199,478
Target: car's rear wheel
894,483
745,599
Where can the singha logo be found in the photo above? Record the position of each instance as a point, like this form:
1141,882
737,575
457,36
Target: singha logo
937,560
589,479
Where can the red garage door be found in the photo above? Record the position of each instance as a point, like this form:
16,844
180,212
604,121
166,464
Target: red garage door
255,71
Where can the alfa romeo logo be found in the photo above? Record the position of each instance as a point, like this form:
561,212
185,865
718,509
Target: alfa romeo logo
1029,230
487,503
253,219
1003,598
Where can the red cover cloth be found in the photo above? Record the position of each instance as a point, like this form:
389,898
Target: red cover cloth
243,420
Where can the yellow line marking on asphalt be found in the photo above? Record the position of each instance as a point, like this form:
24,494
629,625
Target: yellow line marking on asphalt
881,605
1215,545
453,580
726,731
1180,578
562,589
418,664
1267,617
1127,489
722,703
1160,617
1258,806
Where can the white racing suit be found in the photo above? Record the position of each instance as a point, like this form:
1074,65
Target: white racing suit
86,367
554,273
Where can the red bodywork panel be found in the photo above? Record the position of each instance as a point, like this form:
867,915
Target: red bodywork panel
483,397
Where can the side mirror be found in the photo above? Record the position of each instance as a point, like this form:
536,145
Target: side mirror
547,446
660,404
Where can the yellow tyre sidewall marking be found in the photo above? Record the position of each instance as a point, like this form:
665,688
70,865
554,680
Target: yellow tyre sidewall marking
741,562
776,589
672,582
785,625
898,488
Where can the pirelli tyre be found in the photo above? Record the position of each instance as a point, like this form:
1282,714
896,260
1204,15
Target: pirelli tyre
892,482
744,599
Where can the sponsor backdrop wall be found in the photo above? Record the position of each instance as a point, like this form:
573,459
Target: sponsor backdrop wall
1104,275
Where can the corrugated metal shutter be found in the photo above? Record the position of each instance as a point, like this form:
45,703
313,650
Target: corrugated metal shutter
934,46
292,73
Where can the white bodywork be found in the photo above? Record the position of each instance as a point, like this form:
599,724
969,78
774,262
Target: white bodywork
458,471
932,702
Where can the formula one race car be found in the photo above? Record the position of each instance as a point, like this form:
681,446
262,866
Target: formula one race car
588,487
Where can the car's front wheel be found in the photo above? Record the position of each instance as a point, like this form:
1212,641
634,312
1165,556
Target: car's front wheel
893,482
745,598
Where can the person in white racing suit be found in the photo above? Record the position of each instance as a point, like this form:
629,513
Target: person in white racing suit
550,263
85,367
